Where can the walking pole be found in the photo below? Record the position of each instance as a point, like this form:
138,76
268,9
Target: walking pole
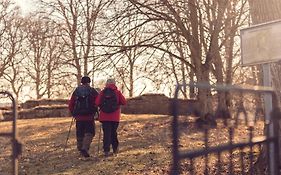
99,140
68,134
99,135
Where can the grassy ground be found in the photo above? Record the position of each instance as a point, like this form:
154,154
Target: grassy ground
145,147
143,150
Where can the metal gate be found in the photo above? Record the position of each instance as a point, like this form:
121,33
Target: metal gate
231,145
16,145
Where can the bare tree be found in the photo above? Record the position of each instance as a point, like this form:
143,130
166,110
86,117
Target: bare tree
44,47
6,9
55,49
80,20
14,38
35,55
127,63
200,26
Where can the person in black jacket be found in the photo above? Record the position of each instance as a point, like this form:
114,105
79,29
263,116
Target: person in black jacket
83,109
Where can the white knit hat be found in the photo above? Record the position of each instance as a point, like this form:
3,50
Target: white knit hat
110,81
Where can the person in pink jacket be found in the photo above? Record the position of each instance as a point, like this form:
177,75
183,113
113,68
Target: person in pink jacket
109,101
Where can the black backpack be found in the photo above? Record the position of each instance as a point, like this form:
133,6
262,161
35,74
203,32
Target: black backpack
109,101
83,102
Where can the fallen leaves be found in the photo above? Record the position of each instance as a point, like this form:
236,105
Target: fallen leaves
145,147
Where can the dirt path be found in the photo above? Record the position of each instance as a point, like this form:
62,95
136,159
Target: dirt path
144,148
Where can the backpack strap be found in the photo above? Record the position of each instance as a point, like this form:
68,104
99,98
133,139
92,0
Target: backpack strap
85,90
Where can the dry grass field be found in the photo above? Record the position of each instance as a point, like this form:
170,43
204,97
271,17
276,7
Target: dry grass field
145,147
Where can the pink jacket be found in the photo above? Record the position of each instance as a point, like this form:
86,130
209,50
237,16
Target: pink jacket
114,116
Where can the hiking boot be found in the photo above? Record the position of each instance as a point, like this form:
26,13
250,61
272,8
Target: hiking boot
106,154
84,153
79,143
87,140
115,151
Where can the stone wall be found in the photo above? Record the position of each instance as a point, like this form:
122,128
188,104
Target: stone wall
157,104
145,104
39,112
43,102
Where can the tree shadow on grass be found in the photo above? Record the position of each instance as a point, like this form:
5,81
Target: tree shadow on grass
145,147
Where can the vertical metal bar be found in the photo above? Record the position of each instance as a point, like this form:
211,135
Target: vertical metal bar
206,149
242,161
15,136
268,147
231,151
275,120
267,80
219,162
16,146
175,141
191,166
251,150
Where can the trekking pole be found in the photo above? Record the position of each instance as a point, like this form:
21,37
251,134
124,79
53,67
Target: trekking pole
99,136
99,140
68,135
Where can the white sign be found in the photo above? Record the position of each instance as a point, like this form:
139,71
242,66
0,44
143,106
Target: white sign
261,43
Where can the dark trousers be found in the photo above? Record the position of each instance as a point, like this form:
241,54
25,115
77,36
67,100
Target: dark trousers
83,127
85,131
109,129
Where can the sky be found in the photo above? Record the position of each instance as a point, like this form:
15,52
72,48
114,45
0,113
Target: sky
26,5
29,5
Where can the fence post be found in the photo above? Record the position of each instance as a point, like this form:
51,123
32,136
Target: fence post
175,139
16,145
275,115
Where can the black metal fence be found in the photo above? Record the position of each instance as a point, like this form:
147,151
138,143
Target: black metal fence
16,145
240,140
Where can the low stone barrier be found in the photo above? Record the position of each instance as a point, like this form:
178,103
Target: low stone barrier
43,102
40,112
157,104
145,104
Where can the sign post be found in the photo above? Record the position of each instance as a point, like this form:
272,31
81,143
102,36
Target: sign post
267,81
261,44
